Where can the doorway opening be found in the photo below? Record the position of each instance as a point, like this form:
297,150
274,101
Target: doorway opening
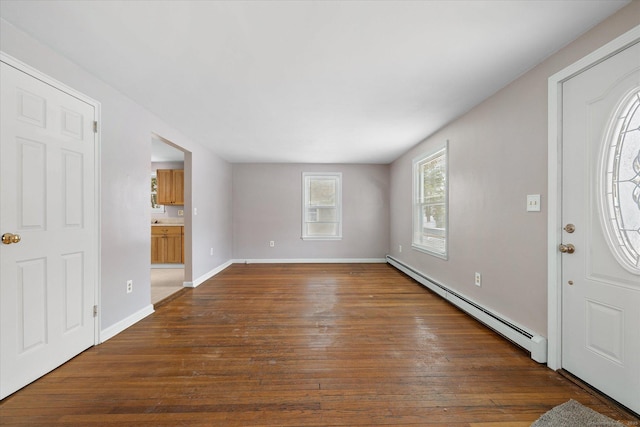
170,219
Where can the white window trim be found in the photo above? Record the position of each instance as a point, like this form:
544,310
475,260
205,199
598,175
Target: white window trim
338,176
414,178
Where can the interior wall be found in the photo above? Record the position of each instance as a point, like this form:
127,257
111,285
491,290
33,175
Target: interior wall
267,205
212,199
498,155
126,129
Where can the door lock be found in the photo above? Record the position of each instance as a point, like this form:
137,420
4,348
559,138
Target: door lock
567,249
9,238
569,228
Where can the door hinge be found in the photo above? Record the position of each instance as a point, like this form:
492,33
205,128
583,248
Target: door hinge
95,311
95,127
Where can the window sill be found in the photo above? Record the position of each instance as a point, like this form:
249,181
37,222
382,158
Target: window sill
426,250
321,238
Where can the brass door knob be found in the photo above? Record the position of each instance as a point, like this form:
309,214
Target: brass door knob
9,238
567,249
569,228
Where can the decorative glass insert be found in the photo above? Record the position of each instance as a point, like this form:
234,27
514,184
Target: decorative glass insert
430,202
621,179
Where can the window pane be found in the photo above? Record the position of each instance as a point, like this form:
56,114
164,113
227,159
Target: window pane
322,192
155,207
322,215
435,241
433,180
327,214
436,216
320,229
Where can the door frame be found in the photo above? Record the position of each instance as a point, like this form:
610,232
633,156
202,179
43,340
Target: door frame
554,216
21,66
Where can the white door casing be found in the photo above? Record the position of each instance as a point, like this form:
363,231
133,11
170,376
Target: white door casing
49,196
594,321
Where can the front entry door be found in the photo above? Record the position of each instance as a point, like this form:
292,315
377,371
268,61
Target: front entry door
601,220
48,257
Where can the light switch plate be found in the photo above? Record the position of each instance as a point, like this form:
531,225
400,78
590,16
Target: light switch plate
533,203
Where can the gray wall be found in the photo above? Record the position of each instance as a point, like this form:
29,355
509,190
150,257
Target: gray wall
267,205
126,130
498,155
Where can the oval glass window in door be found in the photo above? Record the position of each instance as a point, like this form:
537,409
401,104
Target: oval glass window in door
620,183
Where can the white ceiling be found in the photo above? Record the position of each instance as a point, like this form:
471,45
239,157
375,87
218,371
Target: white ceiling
307,81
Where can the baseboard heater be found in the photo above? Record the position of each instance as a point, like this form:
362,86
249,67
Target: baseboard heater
535,344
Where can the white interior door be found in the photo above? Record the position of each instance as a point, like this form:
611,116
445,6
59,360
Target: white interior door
47,195
601,199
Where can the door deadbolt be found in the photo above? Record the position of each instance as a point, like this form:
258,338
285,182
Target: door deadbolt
9,238
569,228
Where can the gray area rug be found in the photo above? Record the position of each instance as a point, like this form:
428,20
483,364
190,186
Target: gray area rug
572,414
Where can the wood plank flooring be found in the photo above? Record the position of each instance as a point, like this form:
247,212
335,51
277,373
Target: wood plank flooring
300,345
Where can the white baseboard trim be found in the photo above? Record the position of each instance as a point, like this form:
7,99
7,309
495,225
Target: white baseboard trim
115,329
312,261
200,280
518,334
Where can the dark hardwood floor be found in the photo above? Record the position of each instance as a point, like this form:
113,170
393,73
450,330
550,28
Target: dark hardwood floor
300,345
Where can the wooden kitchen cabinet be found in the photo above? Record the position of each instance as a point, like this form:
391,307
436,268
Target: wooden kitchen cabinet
170,186
167,245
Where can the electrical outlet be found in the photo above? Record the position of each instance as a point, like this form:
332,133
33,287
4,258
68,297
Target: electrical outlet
195,211
272,243
129,286
180,212
478,279
400,248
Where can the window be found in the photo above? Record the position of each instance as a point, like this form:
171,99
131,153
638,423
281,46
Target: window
430,202
155,207
321,206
